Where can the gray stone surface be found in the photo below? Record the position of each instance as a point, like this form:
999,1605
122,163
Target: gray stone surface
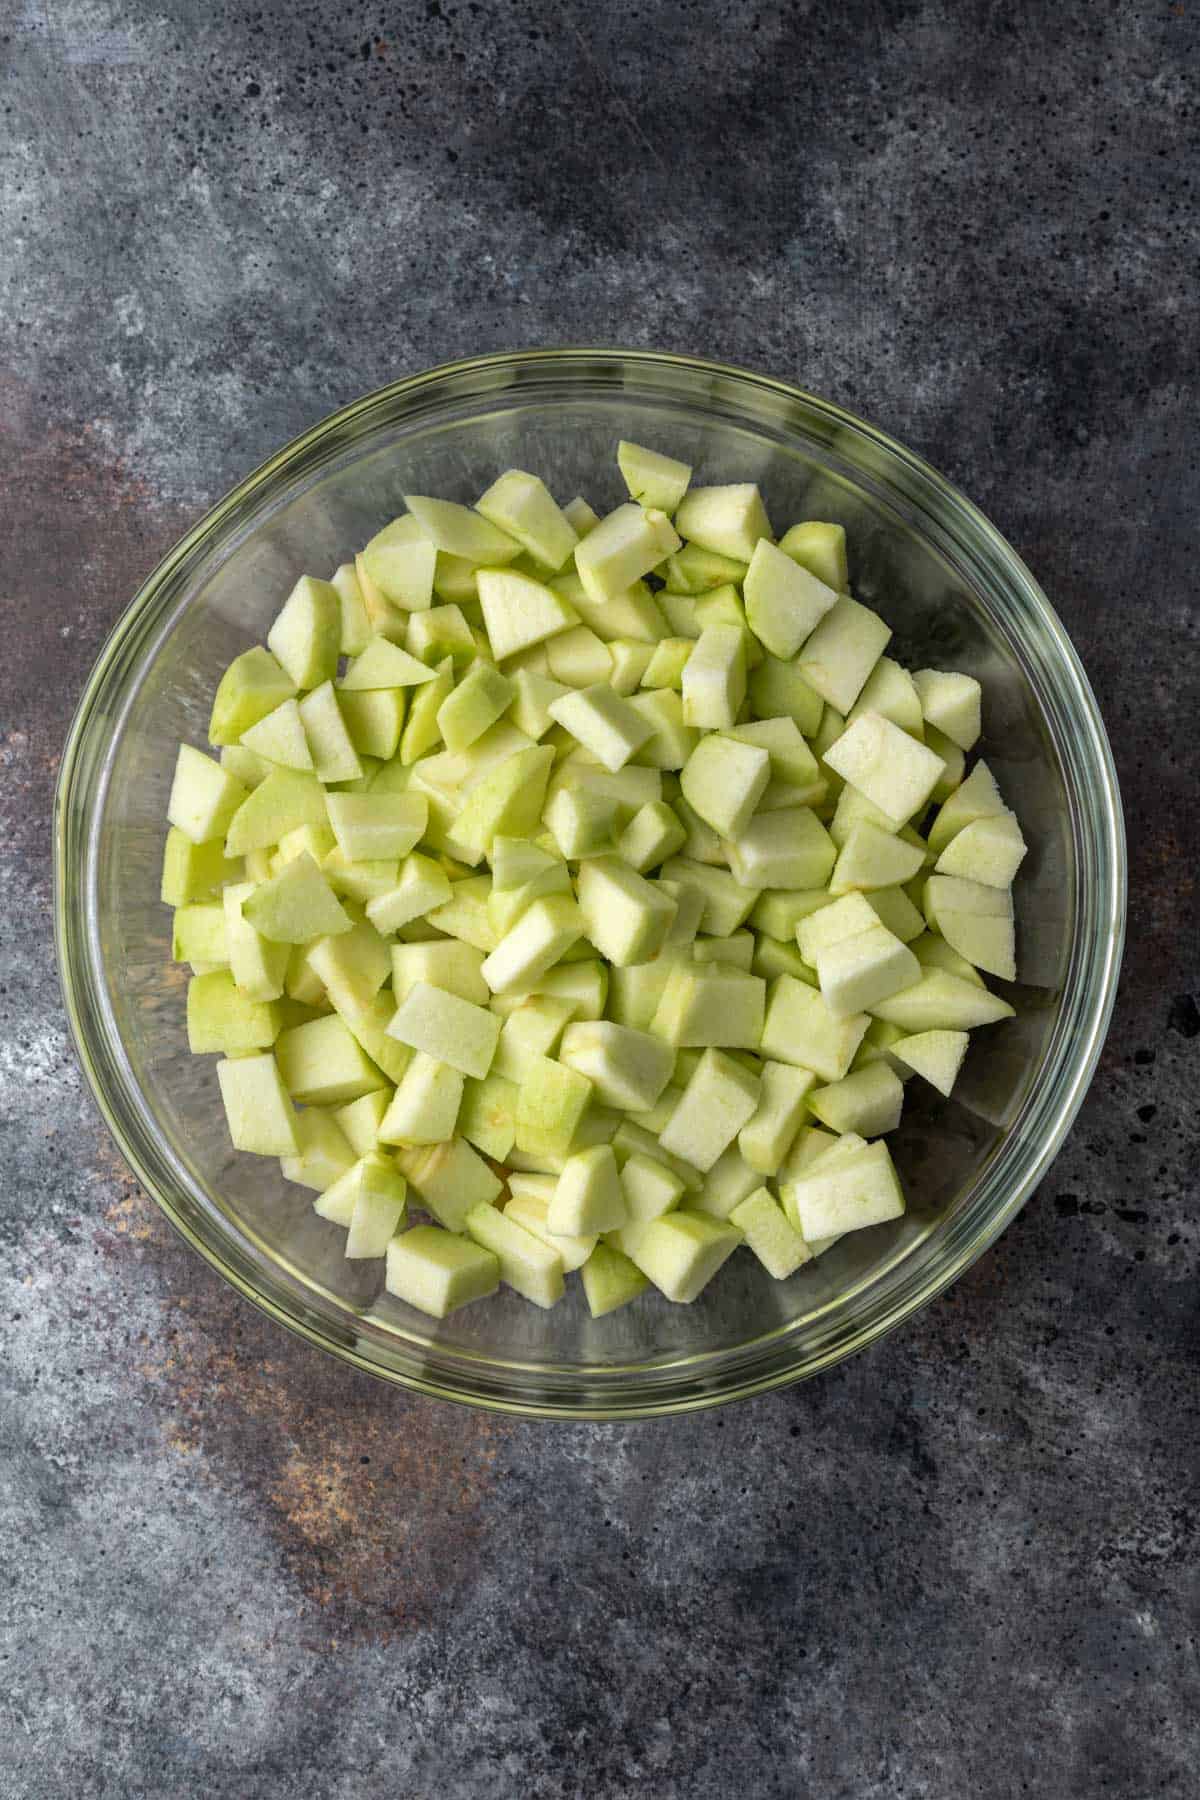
961,1565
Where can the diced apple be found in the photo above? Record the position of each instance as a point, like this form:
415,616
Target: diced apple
588,1198
252,686
800,1029
714,678
762,1222
895,773
719,1099
523,507
840,654
625,916
447,1028
257,1108
784,600
204,798
952,702
682,1251
988,850
438,1272
765,1137
820,547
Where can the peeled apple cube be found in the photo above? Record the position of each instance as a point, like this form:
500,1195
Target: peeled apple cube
588,1197
625,916
937,1055
650,1188
257,1108
252,686
424,1107
481,697
653,479
988,850
522,506
714,678
423,885
460,531
976,920
895,773
723,781
530,1212
682,1251
765,1137
820,547
519,612
323,1156
204,799
377,827
719,1099
449,1179
447,1028
280,738
322,1064
856,973
874,858
800,1028
855,1193
762,1222
551,1101
534,944
891,691
785,602
786,849
305,639
941,1001
778,689
842,651
438,1272
610,1281
190,870
603,723
622,548
628,1068
258,966
286,799
977,798
651,836
952,702
710,1006
867,1101
220,1017
526,1262
399,562
729,520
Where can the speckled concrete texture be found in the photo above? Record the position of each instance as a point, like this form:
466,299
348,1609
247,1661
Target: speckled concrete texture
961,1565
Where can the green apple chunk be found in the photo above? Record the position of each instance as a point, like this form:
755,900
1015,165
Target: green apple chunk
933,952
449,1179
280,738
527,1263
532,1029
258,966
448,1028
651,836
786,849
551,1102
977,798
893,771
322,1064
352,966
623,547
988,851
445,963
481,697
777,689
374,720
628,1068
726,902
383,664
890,691
588,1197
729,520
532,698
854,1193
652,479
507,802
323,1155
533,945
487,1117
204,798
519,612
424,1108
190,871
578,657
438,1272
359,1120
711,1006
199,934
867,1101
800,1029
714,678
937,1055
524,508
625,916
306,637
287,799
257,1107
764,1226
220,1017
671,742
766,1136
719,1099
530,1212
461,531
399,562
840,654
819,546
872,857
252,686
952,703
723,781
682,1251
785,602
296,905
610,1281
649,1187
609,727
857,972
423,885
828,924
693,570
665,666
355,625
377,827
942,1001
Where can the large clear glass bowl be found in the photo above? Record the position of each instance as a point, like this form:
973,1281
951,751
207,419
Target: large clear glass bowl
956,596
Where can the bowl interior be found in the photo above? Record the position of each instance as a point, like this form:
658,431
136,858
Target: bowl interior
913,558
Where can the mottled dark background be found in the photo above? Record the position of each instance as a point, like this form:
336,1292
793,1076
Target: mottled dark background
961,1565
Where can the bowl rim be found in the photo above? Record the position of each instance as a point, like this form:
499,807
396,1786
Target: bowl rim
1091,1013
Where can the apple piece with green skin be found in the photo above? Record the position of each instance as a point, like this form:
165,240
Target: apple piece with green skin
359,1120
488,1114
323,1155
729,520
588,1198
727,904
220,1018
280,738
800,1029
766,1136
352,966
607,726
936,1055
579,658
551,1102
447,1028
190,871
355,628
850,1195
523,507
199,934
952,702
977,798
527,1263
682,1251
710,1007
857,972
422,887
422,731
533,695
530,1213
628,1068
890,691
610,1281
778,689
767,1233
399,561
625,916
893,771
481,697
446,963
819,546
374,720
257,1108
723,781
383,664
653,480
867,1101
719,1099
322,1064
507,802
376,826
650,1187
286,799
667,663
988,851
461,531
651,836
531,1030
785,602
694,570
258,966
534,944
942,1001
437,1272
449,1179
252,686
785,849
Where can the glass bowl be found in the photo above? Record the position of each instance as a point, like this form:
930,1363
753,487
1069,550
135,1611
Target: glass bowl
955,594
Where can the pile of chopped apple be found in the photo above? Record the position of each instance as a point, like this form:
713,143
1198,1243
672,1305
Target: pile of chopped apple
596,884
